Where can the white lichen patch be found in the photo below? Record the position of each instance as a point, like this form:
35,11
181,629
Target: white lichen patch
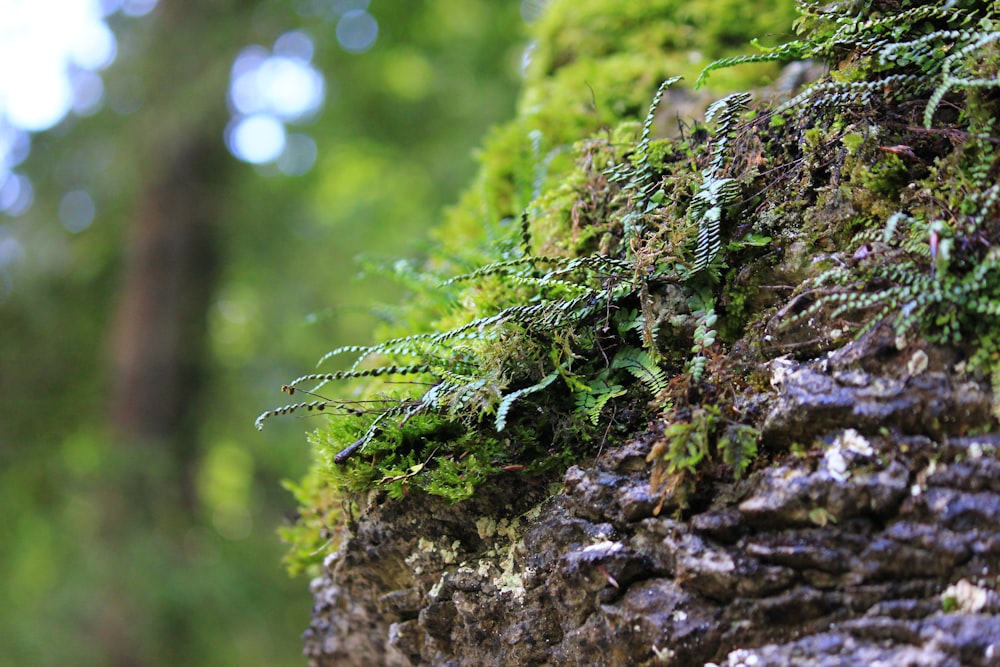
598,551
664,654
601,549
917,363
509,579
964,596
450,554
509,529
742,657
486,568
431,553
497,563
844,451
436,588
486,527
781,368
416,559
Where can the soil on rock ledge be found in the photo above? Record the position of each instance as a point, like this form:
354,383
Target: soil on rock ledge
881,546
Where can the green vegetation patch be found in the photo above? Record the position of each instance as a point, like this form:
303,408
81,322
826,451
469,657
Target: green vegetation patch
597,279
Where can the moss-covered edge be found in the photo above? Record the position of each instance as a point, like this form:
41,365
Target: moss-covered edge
676,327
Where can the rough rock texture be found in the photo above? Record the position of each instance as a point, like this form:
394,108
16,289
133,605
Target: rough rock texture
877,542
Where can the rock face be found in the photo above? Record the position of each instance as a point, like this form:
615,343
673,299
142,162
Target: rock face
876,541
867,529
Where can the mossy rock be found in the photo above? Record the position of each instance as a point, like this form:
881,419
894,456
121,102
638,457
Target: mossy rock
616,273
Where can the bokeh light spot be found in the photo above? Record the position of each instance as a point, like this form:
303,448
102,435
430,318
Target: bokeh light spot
38,95
15,145
76,211
137,7
294,44
88,92
94,47
257,138
289,87
50,41
344,6
267,90
299,155
284,84
407,74
357,31
224,482
11,250
53,51
16,195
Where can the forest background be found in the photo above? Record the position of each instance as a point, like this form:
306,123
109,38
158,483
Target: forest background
187,236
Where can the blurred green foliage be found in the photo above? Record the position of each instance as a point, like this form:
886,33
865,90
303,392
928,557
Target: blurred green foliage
107,560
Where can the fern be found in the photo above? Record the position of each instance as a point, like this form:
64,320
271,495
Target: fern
643,366
591,398
637,175
702,435
469,369
715,193
906,61
951,299
786,52
738,445
496,362
974,41
644,172
687,442
508,400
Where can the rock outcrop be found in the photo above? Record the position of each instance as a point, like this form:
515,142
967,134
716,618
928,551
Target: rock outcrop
778,328
881,547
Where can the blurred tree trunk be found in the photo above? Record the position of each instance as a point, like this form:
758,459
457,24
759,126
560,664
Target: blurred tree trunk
171,256
170,271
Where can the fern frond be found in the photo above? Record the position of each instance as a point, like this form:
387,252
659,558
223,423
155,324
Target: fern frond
598,264
405,346
414,369
707,208
289,409
950,81
725,111
498,268
642,150
591,399
641,364
508,400
715,193
784,53
738,445
525,233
